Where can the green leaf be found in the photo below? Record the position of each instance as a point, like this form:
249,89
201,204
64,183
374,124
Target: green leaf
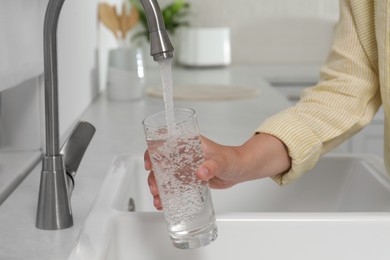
173,14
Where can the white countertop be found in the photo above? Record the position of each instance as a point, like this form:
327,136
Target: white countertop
119,131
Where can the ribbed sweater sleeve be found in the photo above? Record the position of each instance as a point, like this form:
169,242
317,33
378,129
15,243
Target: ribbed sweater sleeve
342,103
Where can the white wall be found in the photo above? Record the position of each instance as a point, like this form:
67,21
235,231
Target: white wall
77,59
20,41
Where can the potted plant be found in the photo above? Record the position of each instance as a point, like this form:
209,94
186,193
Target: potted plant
174,15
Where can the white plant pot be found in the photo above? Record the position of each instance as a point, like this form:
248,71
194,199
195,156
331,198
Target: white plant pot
125,74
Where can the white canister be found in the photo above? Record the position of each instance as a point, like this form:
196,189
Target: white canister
125,75
204,46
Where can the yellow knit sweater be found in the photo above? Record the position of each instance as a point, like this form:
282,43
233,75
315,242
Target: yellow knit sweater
354,82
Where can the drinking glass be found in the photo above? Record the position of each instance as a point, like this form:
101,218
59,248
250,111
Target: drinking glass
176,154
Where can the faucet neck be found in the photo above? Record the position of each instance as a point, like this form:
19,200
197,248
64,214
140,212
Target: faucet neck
51,79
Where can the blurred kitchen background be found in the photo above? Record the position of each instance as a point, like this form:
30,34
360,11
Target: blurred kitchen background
287,39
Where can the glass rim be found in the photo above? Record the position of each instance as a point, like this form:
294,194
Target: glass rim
184,109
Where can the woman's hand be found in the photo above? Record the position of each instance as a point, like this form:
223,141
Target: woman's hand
261,156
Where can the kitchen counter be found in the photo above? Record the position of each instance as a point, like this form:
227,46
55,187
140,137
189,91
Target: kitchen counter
119,131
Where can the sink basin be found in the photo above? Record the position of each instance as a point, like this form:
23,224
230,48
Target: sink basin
143,237
339,210
337,184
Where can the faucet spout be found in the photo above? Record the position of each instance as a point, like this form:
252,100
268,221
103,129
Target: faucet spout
160,44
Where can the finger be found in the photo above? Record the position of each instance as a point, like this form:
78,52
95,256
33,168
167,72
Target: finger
157,202
147,161
152,184
207,170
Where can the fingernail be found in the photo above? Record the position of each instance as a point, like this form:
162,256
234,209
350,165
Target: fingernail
147,165
204,173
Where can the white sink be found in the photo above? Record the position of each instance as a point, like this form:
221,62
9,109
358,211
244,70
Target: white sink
340,210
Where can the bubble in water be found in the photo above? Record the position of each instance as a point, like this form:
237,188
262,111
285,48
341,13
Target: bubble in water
175,163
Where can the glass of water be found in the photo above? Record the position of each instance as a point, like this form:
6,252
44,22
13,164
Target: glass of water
176,154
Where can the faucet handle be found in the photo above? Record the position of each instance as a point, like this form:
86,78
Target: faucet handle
75,146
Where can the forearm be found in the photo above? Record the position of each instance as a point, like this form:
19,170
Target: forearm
263,156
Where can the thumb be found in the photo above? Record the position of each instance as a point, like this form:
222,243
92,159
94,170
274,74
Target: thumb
207,170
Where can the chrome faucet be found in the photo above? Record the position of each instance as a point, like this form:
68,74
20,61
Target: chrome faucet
58,166
160,44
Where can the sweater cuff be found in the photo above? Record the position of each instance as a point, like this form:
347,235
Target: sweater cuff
304,147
